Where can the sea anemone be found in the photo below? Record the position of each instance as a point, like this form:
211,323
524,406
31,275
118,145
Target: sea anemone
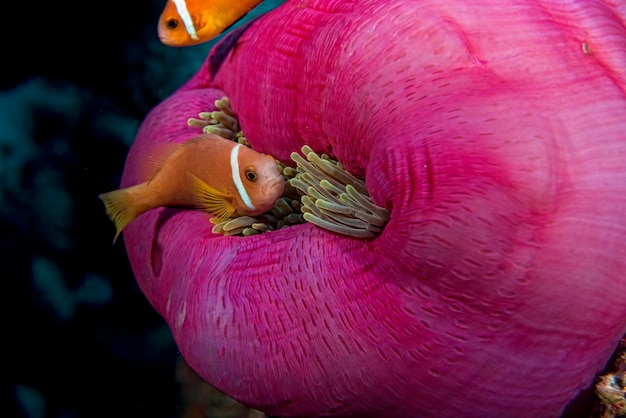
493,135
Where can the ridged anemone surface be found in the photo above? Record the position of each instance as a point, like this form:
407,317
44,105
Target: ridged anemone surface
494,133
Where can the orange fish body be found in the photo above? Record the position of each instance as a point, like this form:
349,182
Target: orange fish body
191,22
207,172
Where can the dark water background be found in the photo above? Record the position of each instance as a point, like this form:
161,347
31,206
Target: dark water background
77,78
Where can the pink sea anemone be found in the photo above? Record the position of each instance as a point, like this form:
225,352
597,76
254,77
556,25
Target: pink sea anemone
494,133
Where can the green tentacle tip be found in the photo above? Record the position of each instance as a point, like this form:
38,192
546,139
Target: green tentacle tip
334,199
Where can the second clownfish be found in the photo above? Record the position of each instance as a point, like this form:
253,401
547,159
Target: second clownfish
191,22
207,172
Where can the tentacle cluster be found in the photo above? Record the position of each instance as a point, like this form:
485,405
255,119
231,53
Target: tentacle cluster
334,199
222,122
318,190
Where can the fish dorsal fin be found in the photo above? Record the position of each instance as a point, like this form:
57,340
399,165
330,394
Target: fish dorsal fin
210,200
155,159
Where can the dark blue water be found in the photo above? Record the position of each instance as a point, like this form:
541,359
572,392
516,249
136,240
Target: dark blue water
80,339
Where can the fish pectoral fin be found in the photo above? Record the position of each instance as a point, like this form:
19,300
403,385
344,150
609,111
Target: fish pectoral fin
210,200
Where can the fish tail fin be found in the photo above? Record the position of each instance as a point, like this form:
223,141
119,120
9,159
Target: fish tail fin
119,207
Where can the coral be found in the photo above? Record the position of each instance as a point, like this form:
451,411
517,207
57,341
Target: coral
611,388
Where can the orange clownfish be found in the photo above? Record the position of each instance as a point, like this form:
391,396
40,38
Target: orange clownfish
191,22
207,172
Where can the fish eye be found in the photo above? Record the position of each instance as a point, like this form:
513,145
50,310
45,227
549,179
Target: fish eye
251,175
172,23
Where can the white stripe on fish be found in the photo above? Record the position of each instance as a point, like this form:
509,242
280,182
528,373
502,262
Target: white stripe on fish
234,165
181,8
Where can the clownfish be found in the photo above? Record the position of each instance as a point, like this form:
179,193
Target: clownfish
191,22
207,172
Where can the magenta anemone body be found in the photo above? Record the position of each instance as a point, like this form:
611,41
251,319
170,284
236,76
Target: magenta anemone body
495,134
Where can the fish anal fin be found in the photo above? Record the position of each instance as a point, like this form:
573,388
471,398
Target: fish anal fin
155,159
211,200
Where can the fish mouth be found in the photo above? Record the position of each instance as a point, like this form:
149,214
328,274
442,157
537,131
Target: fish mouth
275,186
164,36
